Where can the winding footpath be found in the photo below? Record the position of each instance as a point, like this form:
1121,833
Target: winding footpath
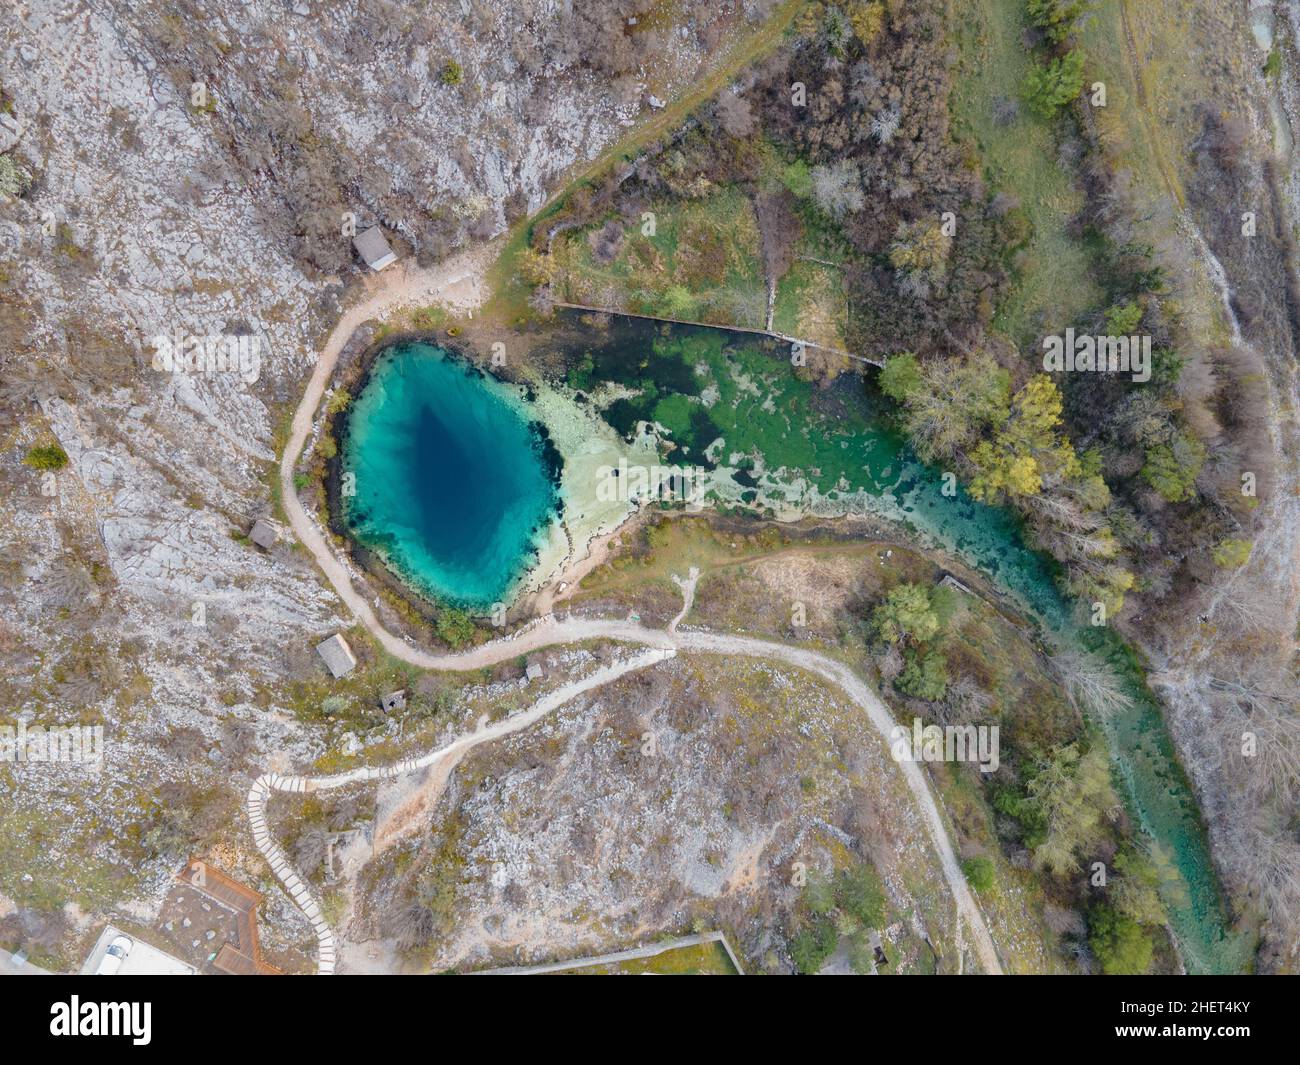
458,281
260,792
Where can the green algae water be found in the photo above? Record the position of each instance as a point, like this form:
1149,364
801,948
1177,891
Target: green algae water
785,442
455,483
730,402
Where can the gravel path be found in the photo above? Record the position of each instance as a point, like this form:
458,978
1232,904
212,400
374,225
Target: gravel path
459,281
260,792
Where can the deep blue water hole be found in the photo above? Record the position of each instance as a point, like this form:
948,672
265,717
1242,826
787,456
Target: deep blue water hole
455,485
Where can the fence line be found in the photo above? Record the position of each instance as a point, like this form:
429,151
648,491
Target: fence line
714,325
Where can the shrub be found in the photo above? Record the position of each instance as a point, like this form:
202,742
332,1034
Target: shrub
979,873
867,19
901,376
1123,319
334,704
452,73
860,894
455,626
1166,367
1050,87
1056,18
46,457
1123,946
677,302
920,248
819,895
1171,469
14,177
1135,890
925,676
906,613
535,267
813,945
1232,553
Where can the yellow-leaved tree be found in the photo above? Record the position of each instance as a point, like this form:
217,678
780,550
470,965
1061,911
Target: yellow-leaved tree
1026,448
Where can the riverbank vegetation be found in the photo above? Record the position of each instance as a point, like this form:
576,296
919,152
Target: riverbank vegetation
1038,822
1172,163
964,189
836,145
866,190
1046,822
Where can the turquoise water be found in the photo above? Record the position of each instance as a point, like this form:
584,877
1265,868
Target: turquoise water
703,384
455,484
840,437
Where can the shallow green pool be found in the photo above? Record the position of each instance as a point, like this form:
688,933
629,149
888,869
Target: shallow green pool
457,485
829,448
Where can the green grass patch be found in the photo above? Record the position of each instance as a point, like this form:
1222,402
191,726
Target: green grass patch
1053,286
1150,112
703,959
811,304
509,302
701,264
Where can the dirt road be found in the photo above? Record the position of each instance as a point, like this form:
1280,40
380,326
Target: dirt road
459,282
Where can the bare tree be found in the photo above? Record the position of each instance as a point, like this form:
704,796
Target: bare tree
963,703
310,848
1091,683
734,114
837,189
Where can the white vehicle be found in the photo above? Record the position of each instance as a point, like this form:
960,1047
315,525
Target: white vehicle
114,955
